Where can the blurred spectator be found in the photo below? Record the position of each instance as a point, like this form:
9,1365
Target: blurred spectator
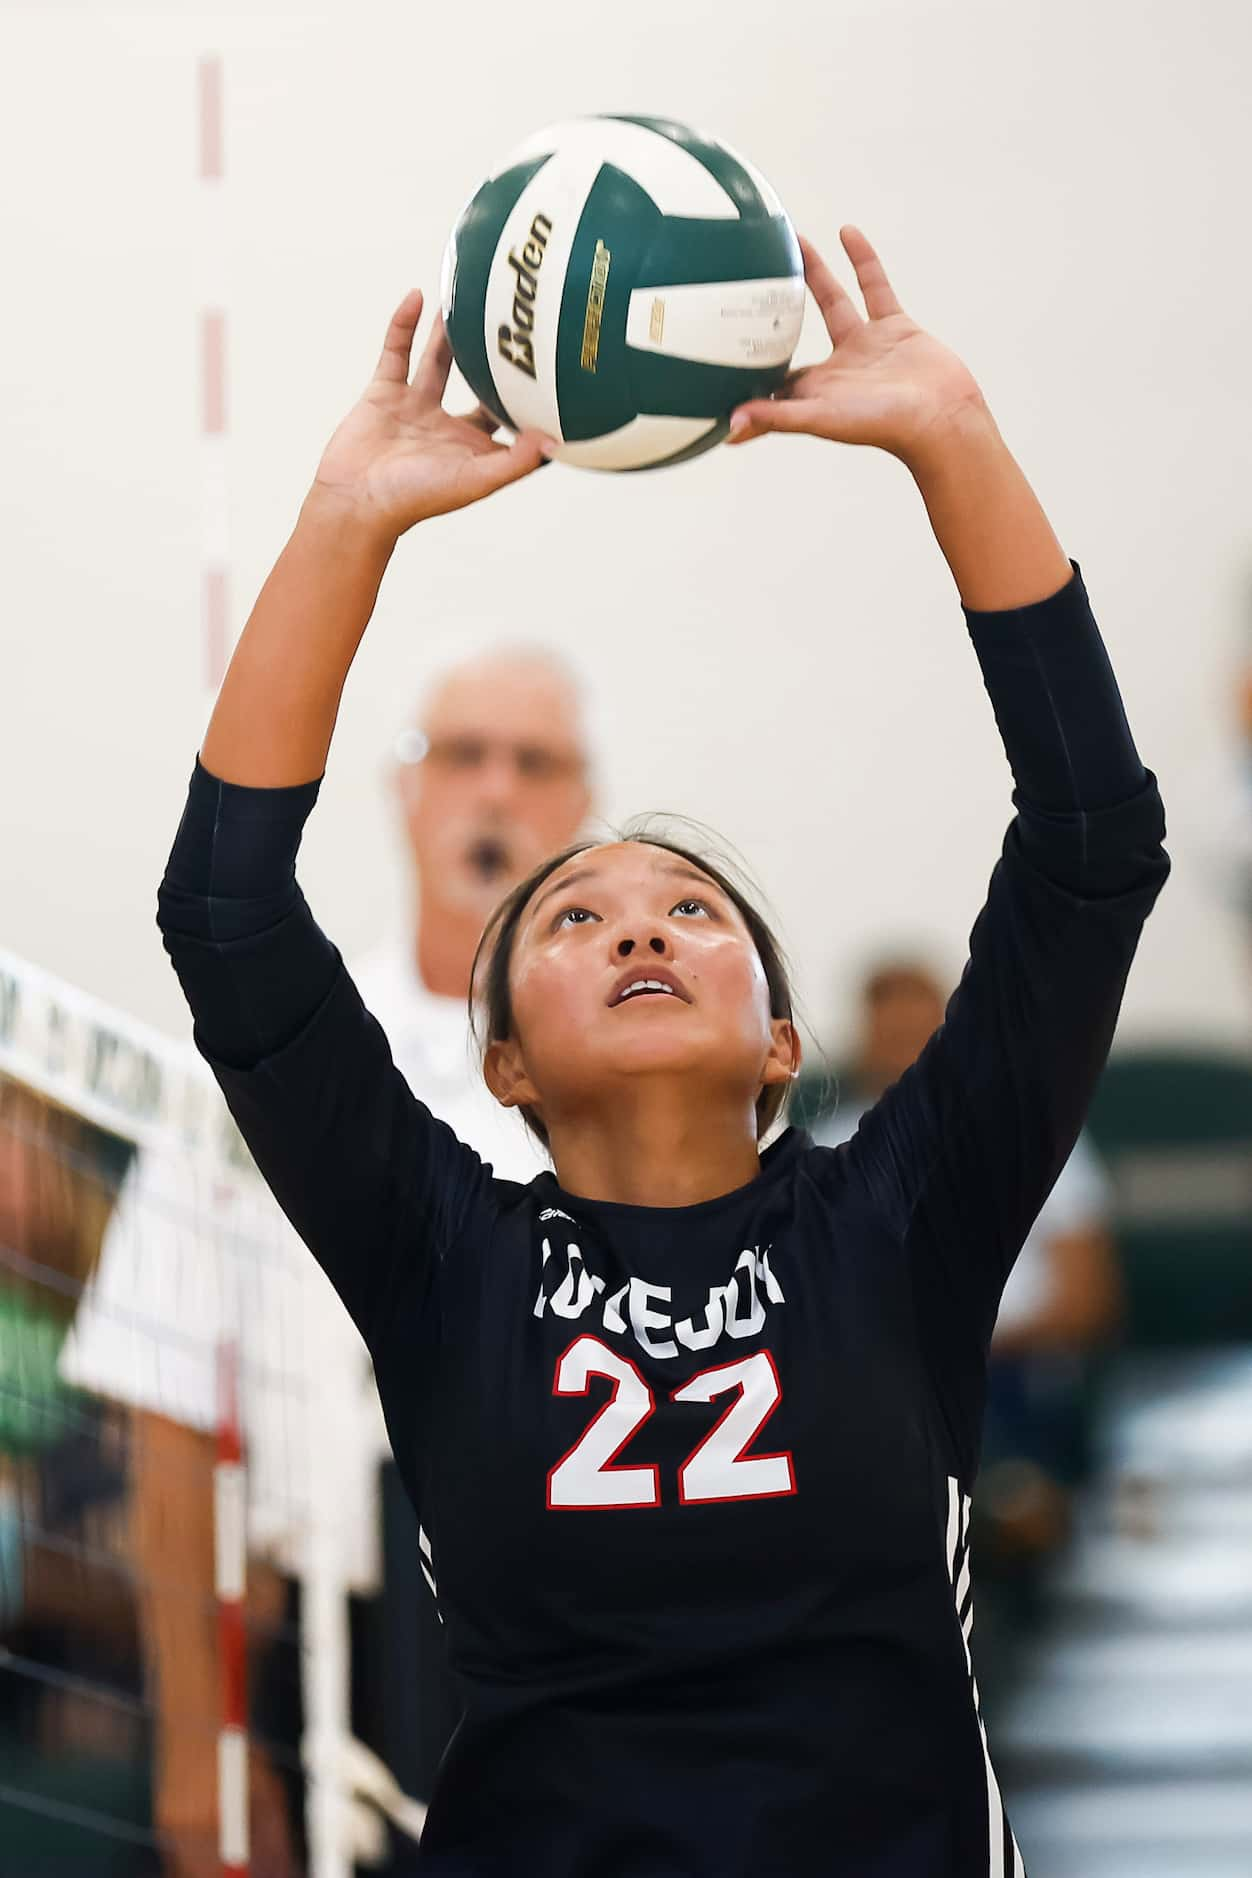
58,1182
493,776
187,1263
1214,822
1241,843
1060,1305
67,1615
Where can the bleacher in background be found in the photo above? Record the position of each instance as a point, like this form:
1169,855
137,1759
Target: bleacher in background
1126,1743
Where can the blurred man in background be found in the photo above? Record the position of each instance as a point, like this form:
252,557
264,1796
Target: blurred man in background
1217,823
493,775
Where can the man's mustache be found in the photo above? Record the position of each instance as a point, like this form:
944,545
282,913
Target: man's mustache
497,853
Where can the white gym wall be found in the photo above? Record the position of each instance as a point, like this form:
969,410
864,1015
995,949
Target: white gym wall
1058,189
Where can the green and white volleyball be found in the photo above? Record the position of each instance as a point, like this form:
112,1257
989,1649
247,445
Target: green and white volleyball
622,283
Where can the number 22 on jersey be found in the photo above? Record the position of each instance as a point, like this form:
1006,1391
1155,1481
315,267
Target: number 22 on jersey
717,1468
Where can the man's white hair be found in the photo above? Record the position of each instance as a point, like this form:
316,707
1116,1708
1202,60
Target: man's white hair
493,664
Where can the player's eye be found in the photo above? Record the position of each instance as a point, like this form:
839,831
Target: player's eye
573,916
691,909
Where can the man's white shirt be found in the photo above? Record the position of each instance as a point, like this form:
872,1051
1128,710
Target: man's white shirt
431,1043
189,1263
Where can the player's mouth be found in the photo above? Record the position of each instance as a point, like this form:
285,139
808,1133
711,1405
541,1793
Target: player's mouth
656,982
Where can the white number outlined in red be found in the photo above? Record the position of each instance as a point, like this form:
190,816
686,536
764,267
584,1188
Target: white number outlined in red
719,1468
584,1477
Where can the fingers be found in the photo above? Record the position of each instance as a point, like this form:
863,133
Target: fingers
508,463
393,363
835,302
765,414
880,299
837,306
430,380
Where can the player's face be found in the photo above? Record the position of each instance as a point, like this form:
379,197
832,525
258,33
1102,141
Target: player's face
630,963
502,783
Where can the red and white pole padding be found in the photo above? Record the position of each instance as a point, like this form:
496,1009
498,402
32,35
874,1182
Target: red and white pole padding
230,1548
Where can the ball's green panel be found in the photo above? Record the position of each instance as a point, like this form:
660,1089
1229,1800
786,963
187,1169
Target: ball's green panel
698,448
624,217
477,238
686,388
729,172
688,250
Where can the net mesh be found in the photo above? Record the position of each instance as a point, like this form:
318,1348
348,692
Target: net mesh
136,1244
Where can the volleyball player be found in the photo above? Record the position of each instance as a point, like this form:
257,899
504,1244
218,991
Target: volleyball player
693,1427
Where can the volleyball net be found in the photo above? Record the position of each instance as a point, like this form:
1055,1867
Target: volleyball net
189,1444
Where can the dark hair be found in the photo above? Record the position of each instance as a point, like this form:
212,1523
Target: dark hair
491,1004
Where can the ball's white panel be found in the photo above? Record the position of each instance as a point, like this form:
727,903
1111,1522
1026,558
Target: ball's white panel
559,191
644,440
677,182
719,322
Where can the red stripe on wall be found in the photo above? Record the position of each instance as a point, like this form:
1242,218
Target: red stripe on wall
214,616
212,153
213,371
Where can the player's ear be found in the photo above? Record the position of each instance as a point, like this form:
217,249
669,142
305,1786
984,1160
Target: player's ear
506,1077
785,1053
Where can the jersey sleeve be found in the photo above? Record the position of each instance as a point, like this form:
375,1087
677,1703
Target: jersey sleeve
962,1151
375,1186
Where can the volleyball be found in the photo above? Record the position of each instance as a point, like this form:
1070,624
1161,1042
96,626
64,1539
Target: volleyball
623,283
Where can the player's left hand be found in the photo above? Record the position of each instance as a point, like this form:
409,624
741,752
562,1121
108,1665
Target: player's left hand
398,457
887,383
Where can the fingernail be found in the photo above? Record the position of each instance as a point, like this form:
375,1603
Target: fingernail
549,447
738,424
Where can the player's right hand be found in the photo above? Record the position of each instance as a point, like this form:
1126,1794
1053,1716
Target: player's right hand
886,382
399,457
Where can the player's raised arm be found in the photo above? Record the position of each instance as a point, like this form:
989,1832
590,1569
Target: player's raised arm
963,1150
370,1180
397,458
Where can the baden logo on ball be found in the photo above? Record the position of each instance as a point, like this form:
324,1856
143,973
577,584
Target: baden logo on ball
525,295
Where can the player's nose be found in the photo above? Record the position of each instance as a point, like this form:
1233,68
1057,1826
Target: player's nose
639,943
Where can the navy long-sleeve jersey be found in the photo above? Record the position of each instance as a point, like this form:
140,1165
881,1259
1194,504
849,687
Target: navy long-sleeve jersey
694,1481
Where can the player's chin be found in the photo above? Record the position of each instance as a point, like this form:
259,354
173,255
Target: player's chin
671,1039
